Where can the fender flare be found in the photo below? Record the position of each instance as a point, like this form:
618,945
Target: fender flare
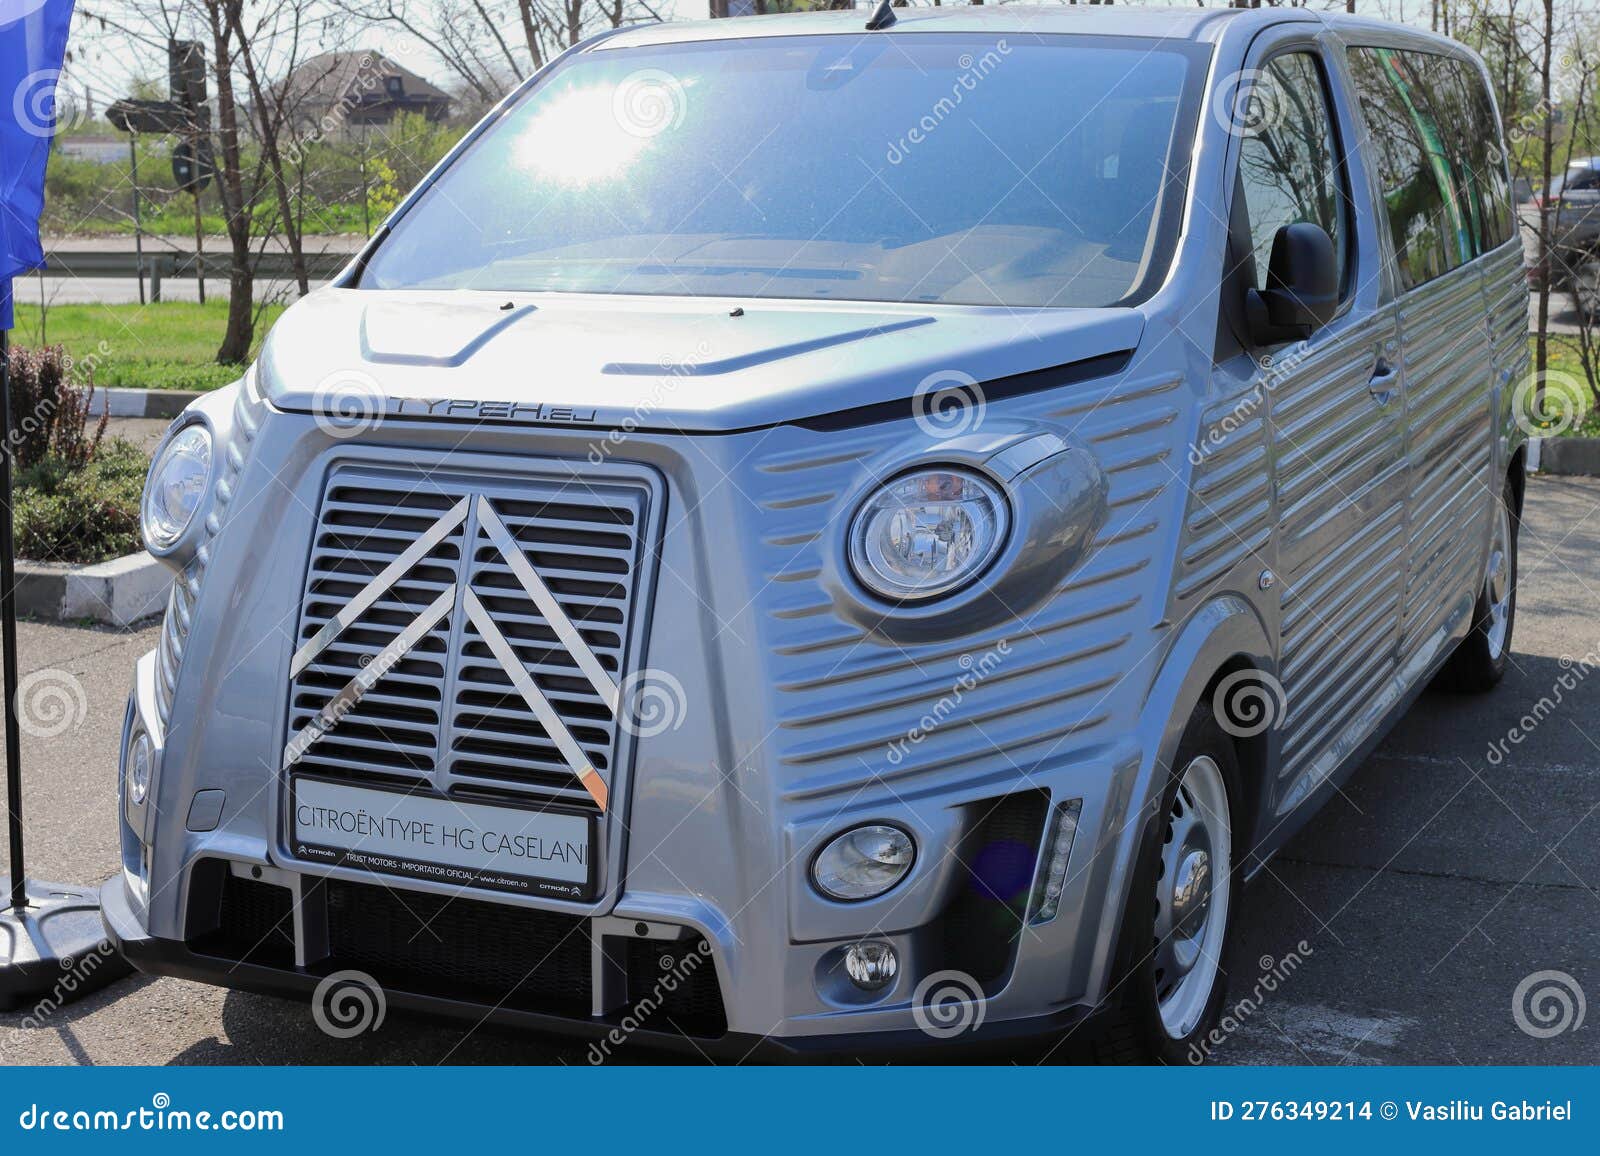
1225,629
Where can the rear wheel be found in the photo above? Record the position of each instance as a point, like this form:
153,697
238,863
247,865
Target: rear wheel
1181,911
1481,658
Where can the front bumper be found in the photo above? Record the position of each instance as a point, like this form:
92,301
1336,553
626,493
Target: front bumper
168,912
153,955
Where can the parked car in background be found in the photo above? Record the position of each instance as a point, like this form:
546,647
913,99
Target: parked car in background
1570,210
882,525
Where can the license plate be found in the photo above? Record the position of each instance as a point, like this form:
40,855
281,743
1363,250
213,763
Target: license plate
424,836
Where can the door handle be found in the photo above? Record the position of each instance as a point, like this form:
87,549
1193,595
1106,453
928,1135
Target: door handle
1385,377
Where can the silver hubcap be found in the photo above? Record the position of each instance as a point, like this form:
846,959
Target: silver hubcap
1498,585
1192,895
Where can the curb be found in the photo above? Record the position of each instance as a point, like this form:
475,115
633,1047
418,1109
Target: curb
120,592
1568,457
167,403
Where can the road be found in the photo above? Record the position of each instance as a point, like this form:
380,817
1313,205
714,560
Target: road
61,290
1424,895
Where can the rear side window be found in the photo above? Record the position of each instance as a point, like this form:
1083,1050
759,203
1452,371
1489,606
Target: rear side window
1288,166
1433,139
1487,182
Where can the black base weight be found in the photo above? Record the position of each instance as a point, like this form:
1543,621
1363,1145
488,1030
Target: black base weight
54,950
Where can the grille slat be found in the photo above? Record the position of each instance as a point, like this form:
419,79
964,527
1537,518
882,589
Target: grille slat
448,713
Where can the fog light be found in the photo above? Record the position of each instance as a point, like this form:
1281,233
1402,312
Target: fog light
864,862
1063,831
140,757
871,965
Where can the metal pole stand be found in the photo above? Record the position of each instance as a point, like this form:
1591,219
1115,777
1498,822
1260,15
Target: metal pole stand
53,947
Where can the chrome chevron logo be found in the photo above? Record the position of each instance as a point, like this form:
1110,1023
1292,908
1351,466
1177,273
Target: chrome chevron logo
459,596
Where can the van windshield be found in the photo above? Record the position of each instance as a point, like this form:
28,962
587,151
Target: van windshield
1035,171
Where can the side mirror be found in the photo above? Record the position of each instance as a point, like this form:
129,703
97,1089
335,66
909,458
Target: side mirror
1302,292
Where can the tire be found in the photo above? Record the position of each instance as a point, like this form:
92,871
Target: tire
1480,659
1156,1016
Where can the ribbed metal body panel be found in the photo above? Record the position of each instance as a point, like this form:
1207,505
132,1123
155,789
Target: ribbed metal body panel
853,709
1449,395
233,453
1342,544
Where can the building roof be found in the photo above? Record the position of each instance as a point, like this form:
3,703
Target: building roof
357,78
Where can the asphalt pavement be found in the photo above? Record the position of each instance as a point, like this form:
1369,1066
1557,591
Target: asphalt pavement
1397,928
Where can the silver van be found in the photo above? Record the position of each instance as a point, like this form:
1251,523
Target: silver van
837,532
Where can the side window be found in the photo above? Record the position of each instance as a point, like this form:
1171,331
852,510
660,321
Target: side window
1288,166
1486,158
1432,155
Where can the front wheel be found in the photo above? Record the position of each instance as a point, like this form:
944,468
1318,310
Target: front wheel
1480,659
1181,912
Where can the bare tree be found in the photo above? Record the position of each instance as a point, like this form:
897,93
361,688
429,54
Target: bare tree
469,37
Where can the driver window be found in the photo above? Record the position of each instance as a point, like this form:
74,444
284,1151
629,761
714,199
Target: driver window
1287,159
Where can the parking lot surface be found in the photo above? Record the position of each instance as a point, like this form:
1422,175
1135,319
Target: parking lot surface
1397,928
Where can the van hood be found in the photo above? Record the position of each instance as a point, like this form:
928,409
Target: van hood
699,365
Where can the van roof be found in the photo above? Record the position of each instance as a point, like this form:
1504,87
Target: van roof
1083,19
1079,19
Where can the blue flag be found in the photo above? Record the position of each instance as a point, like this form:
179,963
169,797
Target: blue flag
33,43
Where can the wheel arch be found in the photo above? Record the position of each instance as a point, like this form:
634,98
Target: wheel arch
1226,635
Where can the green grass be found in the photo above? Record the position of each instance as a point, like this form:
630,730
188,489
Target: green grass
1565,376
172,345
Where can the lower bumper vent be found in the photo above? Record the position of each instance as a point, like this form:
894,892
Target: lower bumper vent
984,920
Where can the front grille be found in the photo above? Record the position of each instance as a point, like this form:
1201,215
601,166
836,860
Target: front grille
459,948
448,715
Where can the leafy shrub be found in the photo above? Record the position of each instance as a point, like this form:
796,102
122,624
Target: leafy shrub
88,513
50,415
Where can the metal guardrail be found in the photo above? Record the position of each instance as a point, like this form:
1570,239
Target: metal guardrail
88,263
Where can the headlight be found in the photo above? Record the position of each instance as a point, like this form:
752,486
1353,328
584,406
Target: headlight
175,488
864,862
139,760
928,533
